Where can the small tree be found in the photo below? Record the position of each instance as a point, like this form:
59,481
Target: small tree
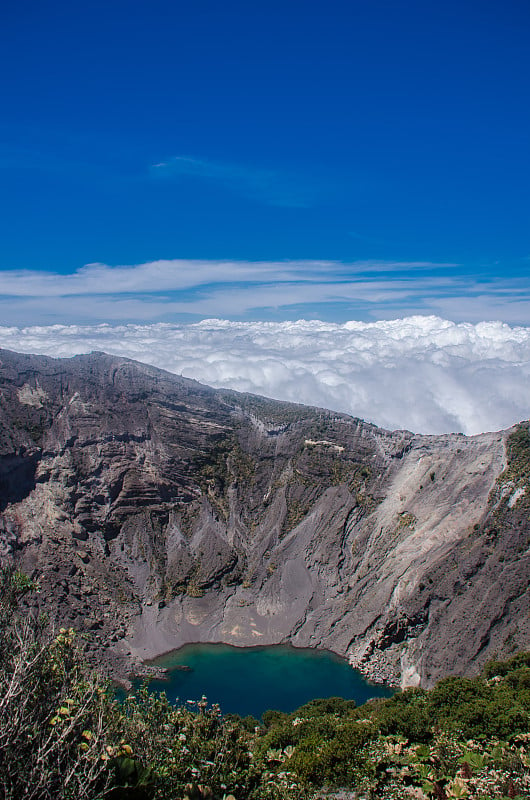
55,717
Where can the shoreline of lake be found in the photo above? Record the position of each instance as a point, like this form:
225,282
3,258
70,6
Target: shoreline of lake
251,680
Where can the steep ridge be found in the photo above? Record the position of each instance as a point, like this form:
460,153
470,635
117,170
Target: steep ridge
155,511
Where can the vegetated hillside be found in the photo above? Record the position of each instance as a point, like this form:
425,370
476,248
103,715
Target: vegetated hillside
155,511
64,735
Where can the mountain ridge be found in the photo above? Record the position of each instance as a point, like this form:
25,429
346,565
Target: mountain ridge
157,511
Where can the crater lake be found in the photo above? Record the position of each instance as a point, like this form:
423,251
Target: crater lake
251,680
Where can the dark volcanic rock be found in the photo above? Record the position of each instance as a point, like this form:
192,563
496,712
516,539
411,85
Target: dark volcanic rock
155,511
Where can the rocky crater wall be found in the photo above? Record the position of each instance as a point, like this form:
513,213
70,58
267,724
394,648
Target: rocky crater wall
155,511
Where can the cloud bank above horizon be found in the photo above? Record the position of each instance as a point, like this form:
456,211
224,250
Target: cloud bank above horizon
423,373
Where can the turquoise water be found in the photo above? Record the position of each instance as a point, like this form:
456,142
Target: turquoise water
250,680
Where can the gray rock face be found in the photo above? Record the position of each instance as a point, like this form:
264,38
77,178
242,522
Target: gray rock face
155,511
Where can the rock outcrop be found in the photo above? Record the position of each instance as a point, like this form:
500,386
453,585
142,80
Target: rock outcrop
155,511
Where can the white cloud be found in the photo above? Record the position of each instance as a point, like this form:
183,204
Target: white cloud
180,289
422,372
171,275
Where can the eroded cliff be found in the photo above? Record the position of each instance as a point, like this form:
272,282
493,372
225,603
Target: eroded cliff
156,511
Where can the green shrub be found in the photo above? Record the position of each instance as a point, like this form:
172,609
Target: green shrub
406,715
327,705
494,668
55,717
330,755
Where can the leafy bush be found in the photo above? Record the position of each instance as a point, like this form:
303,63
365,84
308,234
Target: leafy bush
320,741
405,714
494,668
55,718
326,705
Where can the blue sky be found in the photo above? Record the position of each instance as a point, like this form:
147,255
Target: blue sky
264,160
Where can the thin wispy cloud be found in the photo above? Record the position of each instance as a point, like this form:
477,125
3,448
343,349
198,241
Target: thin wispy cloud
179,289
422,373
268,186
178,274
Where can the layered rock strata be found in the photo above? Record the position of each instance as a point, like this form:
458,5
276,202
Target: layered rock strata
155,511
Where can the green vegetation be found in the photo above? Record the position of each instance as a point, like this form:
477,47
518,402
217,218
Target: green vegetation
212,473
406,520
516,475
55,718
223,465
64,735
518,456
296,511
